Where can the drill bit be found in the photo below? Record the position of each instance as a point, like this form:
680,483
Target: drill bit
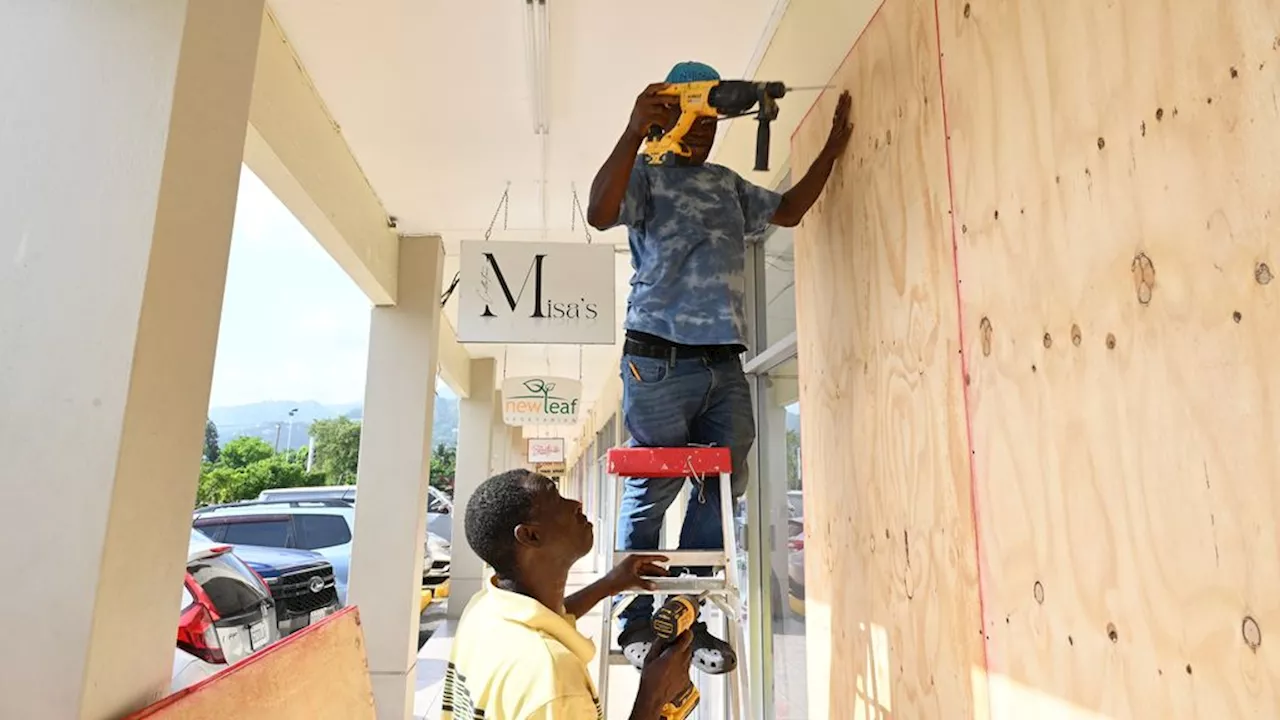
810,87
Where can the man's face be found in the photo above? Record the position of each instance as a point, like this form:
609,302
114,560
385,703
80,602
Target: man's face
565,529
700,138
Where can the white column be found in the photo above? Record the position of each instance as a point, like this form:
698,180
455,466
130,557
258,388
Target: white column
395,461
475,437
498,449
123,131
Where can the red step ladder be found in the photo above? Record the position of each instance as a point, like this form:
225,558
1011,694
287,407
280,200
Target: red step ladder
722,588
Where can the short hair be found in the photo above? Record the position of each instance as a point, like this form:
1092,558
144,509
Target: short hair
501,503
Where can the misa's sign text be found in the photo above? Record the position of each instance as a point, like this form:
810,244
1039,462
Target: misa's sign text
546,293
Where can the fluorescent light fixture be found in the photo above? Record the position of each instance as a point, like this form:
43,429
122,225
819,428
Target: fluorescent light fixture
537,31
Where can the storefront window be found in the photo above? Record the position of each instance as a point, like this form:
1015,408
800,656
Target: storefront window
780,456
779,301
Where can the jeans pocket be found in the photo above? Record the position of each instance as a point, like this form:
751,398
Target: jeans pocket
644,370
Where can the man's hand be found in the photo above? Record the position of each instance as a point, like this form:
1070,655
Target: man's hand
629,574
625,576
663,677
841,127
651,109
802,195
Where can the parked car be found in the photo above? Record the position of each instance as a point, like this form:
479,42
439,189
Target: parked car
795,551
301,582
226,614
439,506
324,526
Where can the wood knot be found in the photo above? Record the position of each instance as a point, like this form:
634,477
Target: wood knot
1112,633
1048,341
1144,277
1251,632
986,330
1076,337
1111,341
1037,591
1262,273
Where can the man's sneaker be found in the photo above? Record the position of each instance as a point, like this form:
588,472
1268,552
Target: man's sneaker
711,655
635,642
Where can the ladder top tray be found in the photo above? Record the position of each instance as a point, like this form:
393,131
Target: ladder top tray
679,462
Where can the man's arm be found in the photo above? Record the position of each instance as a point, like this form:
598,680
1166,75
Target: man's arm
609,187
628,574
797,201
581,602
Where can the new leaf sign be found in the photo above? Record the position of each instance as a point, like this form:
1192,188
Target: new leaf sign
540,401
545,293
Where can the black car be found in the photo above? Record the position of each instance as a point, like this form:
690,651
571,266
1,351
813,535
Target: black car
301,582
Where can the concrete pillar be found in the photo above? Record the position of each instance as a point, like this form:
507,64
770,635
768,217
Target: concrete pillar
395,461
475,442
122,137
498,450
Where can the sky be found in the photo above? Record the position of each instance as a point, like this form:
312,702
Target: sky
294,326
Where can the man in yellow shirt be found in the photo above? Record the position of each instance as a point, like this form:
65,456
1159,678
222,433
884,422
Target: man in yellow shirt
517,654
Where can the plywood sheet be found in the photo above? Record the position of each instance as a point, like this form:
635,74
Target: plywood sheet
1116,174
891,580
319,673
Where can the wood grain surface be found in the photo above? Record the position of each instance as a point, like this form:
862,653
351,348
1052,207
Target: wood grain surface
1115,175
1114,167
890,563
318,673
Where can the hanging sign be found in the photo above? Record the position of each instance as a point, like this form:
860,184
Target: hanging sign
549,469
544,293
540,400
546,450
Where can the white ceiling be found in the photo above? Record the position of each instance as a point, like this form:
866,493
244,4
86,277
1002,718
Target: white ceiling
434,99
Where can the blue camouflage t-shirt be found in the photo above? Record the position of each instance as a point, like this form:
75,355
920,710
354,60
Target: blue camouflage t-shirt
688,229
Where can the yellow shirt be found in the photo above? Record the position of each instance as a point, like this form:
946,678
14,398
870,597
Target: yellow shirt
515,659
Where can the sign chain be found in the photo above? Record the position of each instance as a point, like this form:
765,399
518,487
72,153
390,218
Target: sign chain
577,206
504,207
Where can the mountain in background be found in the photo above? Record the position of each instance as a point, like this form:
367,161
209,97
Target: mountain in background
266,419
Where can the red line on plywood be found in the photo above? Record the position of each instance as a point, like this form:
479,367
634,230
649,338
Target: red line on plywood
964,359
813,106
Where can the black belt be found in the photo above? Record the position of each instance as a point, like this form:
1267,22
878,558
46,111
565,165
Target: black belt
713,353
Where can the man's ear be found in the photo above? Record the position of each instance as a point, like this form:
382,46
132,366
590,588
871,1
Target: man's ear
529,535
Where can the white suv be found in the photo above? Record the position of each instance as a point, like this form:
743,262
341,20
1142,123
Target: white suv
323,526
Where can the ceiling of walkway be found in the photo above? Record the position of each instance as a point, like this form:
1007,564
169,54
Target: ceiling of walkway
436,97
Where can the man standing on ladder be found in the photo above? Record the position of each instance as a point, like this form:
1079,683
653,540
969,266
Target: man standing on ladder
686,328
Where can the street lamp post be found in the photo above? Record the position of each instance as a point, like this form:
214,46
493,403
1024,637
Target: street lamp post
289,443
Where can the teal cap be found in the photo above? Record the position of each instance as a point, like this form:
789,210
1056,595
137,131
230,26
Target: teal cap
692,72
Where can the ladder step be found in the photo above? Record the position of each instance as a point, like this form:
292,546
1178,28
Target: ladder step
644,462
678,558
686,585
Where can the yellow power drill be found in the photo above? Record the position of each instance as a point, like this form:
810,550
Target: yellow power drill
720,99
673,619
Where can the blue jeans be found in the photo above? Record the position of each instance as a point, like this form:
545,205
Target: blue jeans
674,404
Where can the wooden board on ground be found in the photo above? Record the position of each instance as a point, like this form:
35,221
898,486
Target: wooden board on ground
319,673
891,580
1116,175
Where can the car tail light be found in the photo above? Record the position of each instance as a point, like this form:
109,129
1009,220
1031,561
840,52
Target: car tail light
196,632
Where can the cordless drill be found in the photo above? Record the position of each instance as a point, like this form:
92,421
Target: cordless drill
720,99
671,621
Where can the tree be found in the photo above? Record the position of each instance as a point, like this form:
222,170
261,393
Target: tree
211,449
337,443
245,451
794,479
444,463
